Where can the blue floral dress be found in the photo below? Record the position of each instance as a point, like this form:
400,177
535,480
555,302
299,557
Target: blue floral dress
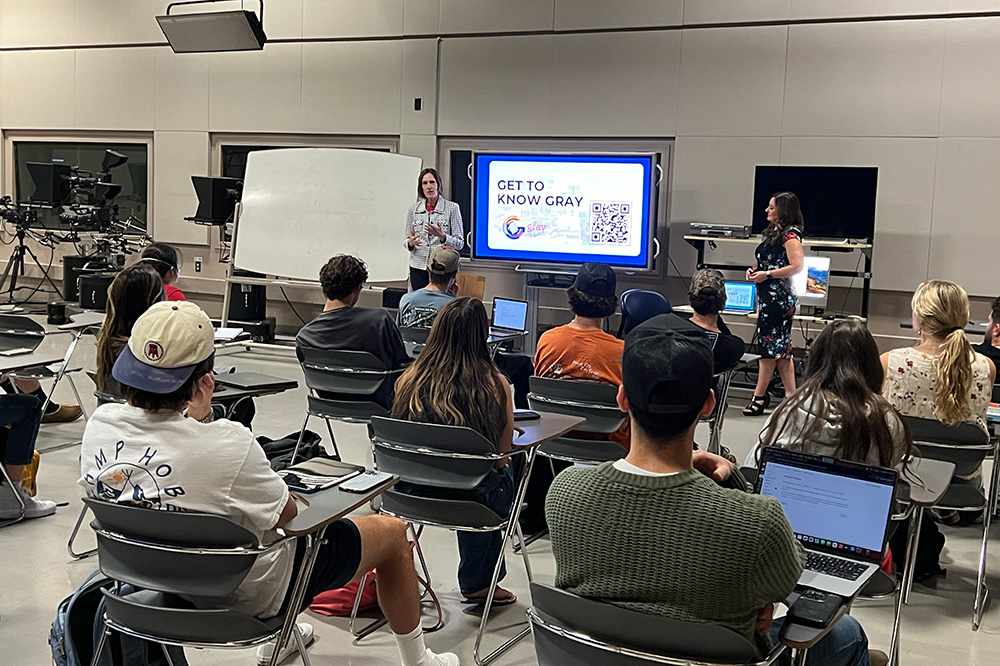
777,301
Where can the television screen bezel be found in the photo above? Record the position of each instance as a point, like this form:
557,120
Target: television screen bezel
761,198
651,187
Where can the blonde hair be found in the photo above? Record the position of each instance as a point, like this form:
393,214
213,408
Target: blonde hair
941,309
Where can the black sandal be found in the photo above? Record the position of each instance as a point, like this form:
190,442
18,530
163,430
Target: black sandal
756,406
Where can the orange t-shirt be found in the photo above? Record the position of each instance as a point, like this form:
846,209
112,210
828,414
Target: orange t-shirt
589,355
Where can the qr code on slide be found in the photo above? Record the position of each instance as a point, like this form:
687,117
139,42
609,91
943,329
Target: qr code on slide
610,222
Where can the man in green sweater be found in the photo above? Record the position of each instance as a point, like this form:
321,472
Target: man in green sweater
656,533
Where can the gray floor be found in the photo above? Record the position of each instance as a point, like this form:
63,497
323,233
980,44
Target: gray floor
39,573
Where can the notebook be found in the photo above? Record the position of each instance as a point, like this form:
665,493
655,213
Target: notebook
741,298
838,510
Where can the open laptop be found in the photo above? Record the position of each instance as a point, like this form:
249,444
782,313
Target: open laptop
741,298
509,318
838,510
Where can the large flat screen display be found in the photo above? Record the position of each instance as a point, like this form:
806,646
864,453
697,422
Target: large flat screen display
564,209
837,202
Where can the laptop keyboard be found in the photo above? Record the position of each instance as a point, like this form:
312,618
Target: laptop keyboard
834,566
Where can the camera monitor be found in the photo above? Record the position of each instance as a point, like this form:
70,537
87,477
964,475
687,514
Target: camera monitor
52,182
217,198
565,209
812,284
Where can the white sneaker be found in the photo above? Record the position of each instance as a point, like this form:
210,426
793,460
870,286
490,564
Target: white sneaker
10,509
266,651
443,659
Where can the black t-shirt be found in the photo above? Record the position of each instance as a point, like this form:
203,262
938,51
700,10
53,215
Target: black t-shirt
359,329
990,352
728,347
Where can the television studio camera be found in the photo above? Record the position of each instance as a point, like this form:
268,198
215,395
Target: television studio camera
84,202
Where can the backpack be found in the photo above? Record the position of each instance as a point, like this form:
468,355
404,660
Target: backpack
926,564
279,451
78,626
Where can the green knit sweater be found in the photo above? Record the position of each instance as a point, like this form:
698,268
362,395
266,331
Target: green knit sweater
678,546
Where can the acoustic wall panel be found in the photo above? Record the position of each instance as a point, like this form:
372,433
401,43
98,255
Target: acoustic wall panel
21,25
966,200
38,89
256,91
904,201
594,75
115,88
421,17
351,88
181,95
118,22
495,15
496,86
580,14
970,88
732,81
419,81
811,9
864,79
351,18
176,157
725,11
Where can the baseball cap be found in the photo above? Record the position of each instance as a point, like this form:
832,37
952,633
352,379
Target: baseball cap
596,280
167,342
667,371
707,280
443,261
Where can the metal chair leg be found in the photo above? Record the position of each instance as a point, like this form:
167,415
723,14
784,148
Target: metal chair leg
166,654
911,554
302,430
912,538
303,652
100,645
333,439
72,538
982,590
371,626
72,386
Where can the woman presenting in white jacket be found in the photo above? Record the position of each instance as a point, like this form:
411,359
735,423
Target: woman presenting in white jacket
431,222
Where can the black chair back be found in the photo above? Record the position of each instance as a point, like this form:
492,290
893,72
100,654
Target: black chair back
638,305
574,631
17,332
594,401
171,551
966,444
341,371
428,454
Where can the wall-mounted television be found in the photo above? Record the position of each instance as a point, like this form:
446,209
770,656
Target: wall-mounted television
565,209
837,202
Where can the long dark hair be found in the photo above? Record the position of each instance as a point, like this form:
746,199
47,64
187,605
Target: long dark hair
163,258
132,292
454,380
844,377
789,216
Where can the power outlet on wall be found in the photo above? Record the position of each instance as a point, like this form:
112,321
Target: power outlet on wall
197,264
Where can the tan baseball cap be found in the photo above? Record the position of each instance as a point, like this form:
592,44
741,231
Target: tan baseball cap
167,342
443,261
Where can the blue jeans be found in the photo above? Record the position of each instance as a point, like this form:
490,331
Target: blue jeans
845,645
23,412
478,551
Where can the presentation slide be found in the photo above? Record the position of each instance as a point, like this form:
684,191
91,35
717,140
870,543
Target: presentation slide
565,209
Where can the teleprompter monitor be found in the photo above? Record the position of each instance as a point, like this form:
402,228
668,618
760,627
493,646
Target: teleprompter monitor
564,209
837,202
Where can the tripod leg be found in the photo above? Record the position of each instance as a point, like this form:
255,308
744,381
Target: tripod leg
15,266
45,271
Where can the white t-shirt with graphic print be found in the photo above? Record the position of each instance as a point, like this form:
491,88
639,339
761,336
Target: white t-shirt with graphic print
165,461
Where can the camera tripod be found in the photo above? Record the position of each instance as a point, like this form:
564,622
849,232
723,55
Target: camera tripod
16,265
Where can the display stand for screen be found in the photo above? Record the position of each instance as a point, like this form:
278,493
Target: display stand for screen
301,206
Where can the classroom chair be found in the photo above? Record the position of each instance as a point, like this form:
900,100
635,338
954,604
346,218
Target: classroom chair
453,458
638,305
570,630
596,402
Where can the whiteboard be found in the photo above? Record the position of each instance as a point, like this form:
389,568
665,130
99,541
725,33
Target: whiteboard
301,206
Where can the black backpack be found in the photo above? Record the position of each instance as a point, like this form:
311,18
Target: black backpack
926,563
78,626
279,451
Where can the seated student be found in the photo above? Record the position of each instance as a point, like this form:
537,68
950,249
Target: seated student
838,410
54,412
419,308
581,349
707,296
343,326
130,294
454,382
990,346
217,467
22,413
624,532
167,262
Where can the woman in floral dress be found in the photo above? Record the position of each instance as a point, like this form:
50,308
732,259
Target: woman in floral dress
779,257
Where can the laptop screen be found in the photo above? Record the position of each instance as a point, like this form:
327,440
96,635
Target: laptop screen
740,296
510,314
832,505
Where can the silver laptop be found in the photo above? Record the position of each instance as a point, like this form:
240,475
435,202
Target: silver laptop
838,510
509,318
741,298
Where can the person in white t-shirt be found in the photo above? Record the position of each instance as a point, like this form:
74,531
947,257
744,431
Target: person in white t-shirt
149,453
